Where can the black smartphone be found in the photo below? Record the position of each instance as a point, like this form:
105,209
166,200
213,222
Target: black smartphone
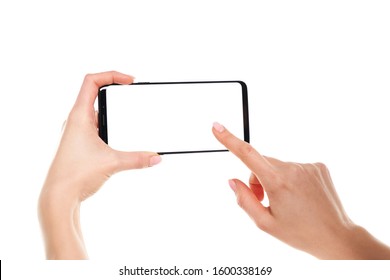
172,117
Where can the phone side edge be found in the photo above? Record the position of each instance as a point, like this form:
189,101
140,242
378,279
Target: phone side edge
102,115
245,111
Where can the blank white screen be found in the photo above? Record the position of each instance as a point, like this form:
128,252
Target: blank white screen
172,117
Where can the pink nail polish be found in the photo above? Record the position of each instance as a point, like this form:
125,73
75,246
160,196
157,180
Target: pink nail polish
154,160
233,185
218,127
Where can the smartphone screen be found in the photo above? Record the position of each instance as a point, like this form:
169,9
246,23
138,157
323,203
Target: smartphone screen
172,117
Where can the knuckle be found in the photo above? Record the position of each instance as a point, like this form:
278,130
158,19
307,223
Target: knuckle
321,166
88,77
275,180
240,200
121,161
289,175
295,170
309,168
140,161
316,169
278,181
246,150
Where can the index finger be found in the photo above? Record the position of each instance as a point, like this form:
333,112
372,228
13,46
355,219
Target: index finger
243,150
92,83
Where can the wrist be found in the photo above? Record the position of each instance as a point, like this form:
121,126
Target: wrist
59,216
365,246
353,242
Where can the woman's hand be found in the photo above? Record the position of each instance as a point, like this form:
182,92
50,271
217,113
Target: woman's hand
304,209
82,164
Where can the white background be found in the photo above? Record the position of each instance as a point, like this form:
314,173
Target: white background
318,80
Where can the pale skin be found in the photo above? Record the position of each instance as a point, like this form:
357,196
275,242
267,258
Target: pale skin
82,164
304,209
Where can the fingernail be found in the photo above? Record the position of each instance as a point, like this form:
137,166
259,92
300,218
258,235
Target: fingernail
233,185
218,127
154,160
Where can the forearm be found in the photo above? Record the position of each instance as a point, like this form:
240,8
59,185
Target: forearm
60,223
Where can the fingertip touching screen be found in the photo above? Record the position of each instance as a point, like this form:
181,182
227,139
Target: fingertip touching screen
172,117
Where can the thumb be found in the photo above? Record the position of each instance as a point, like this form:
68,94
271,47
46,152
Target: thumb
136,160
248,201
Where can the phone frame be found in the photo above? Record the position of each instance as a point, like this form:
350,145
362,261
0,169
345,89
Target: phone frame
102,111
